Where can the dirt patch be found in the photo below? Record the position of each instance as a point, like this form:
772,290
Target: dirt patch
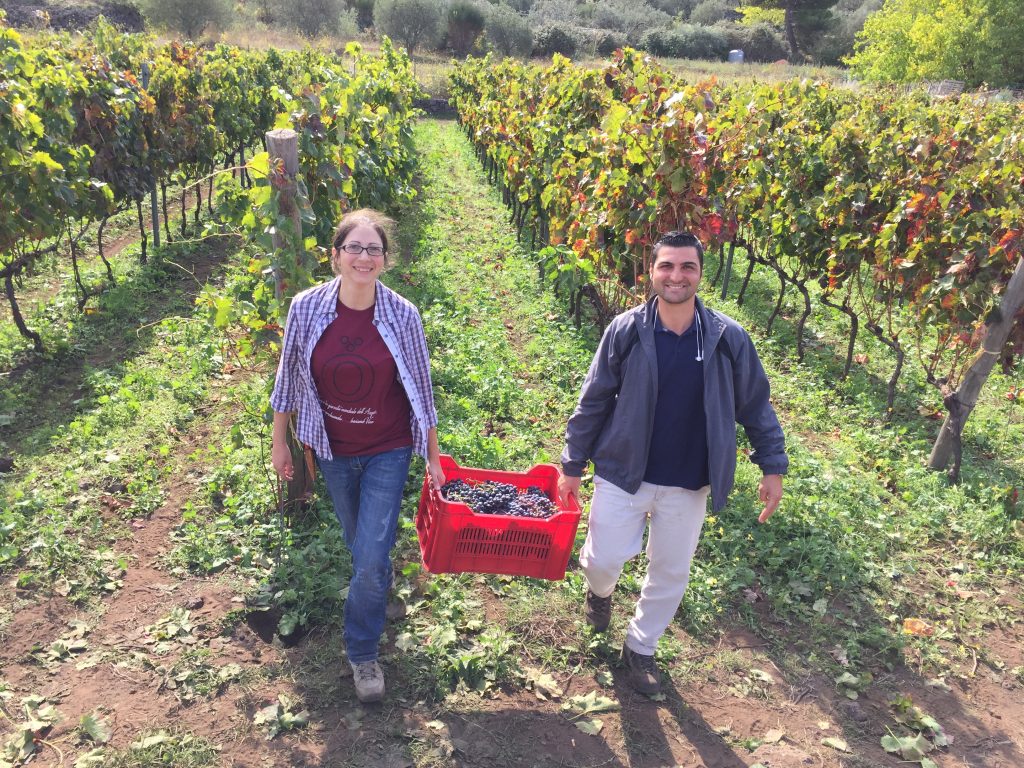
124,16
129,673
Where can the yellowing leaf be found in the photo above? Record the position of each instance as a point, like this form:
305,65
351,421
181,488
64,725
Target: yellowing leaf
544,685
95,729
591,702
591,727
146,742
836,743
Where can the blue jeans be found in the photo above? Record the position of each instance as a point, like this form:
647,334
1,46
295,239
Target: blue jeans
367,496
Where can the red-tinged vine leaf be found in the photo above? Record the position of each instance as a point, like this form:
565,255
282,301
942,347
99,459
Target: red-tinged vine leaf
1008,239
917,627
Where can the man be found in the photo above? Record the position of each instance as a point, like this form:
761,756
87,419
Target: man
657,416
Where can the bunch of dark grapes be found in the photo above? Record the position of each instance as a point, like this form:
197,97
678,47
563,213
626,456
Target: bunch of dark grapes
490,498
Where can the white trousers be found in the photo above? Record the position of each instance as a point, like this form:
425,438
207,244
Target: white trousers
617,523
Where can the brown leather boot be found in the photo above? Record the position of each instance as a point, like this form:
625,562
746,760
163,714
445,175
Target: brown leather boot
643,672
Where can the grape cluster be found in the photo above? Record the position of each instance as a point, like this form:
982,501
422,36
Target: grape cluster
490,498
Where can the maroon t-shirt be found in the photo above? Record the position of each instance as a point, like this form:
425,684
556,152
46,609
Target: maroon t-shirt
365,406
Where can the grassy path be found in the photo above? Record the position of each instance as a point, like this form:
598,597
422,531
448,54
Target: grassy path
506,368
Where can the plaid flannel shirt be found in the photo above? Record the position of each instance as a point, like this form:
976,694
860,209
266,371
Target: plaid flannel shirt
399,325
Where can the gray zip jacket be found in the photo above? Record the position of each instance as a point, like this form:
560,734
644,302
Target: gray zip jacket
614,420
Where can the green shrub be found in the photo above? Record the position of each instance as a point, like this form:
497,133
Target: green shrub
759,42
610,41
465,26
687,42
508,33
680,8
555,38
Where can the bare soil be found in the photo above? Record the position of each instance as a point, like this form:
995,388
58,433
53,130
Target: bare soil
708,718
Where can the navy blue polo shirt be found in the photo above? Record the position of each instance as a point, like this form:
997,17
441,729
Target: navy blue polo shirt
678,454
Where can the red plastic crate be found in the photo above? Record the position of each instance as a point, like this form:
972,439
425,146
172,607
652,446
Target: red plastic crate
454,539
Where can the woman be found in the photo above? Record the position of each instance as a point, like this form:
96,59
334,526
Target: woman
354,366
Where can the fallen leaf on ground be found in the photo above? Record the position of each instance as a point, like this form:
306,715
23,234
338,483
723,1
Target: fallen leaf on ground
836,743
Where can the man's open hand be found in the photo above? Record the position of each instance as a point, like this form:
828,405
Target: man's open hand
769,491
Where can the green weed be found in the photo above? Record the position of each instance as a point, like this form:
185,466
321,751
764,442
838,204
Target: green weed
155,749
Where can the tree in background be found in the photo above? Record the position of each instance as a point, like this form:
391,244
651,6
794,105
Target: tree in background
189,17
559,12
631,17
522,6
681,8
507,32
709,12
364,12
318,17
805,20
1003,33
465,26
977,41
413,23
837,43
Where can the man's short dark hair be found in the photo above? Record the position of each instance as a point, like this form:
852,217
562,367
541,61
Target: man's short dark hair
679,240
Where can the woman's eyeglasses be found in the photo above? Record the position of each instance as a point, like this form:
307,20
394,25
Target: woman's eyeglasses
355,249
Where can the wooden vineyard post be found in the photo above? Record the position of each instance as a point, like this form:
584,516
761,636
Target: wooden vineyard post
283,149
154,213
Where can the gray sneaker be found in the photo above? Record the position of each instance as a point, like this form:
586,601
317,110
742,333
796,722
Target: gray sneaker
369,681
643,672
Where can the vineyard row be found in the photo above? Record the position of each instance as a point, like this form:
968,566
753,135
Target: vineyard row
903,213
92,124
